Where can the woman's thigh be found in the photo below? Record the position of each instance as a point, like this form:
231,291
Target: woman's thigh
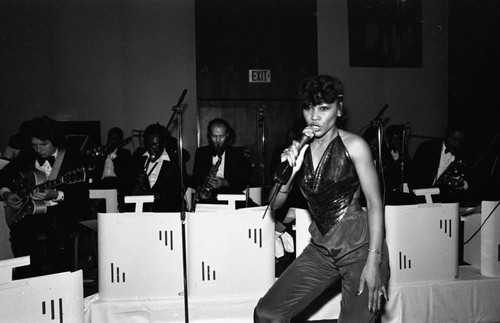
303,281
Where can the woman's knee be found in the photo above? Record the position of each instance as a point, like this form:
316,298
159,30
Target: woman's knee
265,314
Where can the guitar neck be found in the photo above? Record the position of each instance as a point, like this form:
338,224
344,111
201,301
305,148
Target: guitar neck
50,184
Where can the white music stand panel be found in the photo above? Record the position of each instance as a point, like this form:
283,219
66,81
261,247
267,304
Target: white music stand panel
50,298
140,256
472,249
490,239
423,242
230,253
110,196
302,222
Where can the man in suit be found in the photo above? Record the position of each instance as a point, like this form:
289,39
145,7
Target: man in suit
46,237
155,171
220,167
441,163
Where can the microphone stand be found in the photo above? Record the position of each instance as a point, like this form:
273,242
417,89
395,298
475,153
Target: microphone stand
262,123
176,107
403,153
380,167
178,110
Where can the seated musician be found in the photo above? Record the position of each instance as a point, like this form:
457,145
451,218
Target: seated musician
112,162
43,217
442,163
396,165
155,171
219,168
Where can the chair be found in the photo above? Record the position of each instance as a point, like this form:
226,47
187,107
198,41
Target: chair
255,193
90,226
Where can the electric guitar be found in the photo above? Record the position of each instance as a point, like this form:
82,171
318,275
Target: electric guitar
28,182
452,178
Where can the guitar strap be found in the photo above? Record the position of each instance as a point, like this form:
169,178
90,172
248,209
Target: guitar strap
57,164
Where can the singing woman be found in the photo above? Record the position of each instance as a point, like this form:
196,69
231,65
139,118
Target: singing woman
347,242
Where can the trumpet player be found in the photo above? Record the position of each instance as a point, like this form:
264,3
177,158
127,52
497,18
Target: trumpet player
219,168
112,161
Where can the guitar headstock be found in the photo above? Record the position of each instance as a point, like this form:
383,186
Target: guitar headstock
75,176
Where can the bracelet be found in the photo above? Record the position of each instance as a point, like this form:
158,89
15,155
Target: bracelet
284,192
377,251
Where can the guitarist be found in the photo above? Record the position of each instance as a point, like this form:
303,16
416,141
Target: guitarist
46,237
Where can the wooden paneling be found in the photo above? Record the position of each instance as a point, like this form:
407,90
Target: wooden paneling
234,36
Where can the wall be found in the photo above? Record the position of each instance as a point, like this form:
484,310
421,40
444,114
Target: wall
414,95
124,63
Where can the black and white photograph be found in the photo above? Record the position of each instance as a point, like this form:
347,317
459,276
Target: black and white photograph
249,161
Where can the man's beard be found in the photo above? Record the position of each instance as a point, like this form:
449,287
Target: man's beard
219,149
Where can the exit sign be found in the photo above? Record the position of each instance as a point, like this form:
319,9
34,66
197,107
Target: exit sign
259,76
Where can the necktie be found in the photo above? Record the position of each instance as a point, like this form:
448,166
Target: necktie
50,159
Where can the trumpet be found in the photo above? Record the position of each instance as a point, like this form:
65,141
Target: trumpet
103,151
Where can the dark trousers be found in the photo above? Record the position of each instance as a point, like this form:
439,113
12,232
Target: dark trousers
307,278
48,246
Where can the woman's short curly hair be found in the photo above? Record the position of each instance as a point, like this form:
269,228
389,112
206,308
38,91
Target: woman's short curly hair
320,89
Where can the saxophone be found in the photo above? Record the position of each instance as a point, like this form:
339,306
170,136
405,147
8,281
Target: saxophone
205,192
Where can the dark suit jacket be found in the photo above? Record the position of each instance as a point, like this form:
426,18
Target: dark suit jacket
425,166
167,189
426,163
74,207
237,169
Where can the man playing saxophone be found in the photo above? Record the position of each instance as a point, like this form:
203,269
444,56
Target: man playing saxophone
154,170
219,168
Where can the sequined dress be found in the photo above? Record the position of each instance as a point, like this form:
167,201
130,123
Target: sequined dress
332,192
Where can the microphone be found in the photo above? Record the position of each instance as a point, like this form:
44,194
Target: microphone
284,170
382,111
182,97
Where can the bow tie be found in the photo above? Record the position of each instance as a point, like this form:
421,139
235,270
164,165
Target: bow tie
50,159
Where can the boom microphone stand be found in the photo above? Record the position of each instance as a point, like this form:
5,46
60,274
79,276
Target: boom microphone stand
178,111
403,154
377,123
380,166
262,124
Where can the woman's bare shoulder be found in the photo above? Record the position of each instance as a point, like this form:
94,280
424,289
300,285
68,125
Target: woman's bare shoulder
354,143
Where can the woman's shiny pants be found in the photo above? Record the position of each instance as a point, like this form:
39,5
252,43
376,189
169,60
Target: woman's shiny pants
305,279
